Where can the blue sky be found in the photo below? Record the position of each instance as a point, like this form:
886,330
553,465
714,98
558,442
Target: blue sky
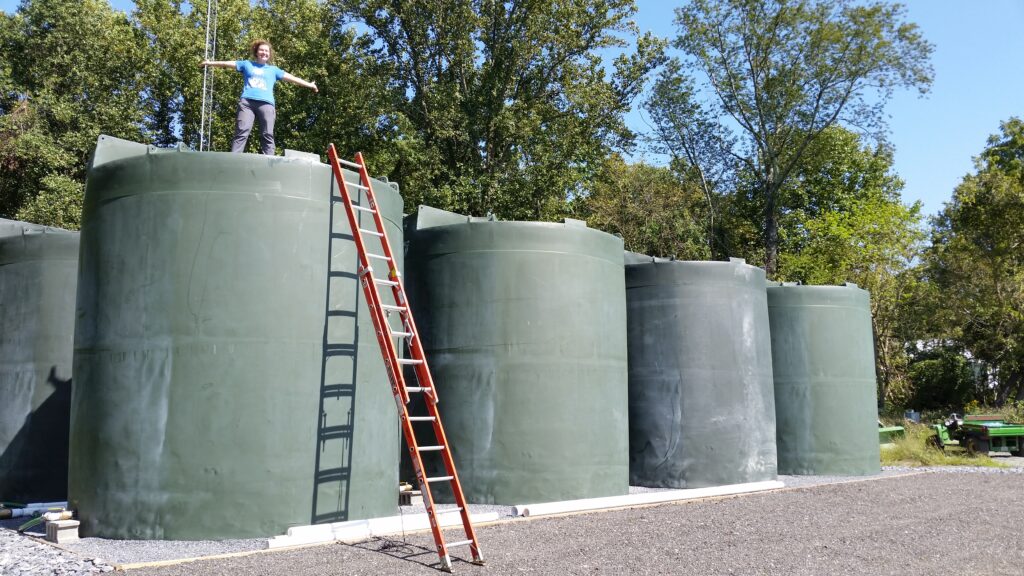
979,82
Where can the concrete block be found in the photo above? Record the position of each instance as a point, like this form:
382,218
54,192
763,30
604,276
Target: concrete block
62,531
410,498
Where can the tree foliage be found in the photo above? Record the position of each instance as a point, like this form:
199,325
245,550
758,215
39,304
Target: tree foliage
656,211
479,107
941,378
70,72
508,105
977,260
777,73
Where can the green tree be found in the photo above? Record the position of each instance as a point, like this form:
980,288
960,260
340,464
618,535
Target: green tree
70,72
654,210
977,260
941,378
505,106
774,75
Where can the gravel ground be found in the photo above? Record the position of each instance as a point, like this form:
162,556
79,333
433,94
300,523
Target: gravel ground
20,555
967,518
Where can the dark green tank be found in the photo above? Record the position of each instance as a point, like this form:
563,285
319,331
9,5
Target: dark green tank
38,274
215,395
524,326
701,404
825,391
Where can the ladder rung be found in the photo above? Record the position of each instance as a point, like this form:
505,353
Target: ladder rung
357,186
431,448
459,543
402,334
448,510
377,256
393,308
416,388
409,361
372,232
421,418
440,478
349,164
363,208
387,282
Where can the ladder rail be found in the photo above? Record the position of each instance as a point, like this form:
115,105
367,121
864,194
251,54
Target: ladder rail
393,364
380,322
398,289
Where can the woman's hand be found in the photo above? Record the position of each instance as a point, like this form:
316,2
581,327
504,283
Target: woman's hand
312,86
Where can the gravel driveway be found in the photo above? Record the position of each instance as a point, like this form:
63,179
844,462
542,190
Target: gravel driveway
934,523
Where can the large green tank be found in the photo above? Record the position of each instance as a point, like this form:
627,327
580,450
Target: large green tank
524,326
701,404
38,274
825,393
215,395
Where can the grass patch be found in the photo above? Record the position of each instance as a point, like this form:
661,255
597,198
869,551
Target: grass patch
914,450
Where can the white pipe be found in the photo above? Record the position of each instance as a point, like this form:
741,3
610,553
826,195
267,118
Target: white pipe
22,512
564,506
47,505
35,509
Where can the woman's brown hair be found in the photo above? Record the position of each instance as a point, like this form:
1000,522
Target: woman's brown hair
256,46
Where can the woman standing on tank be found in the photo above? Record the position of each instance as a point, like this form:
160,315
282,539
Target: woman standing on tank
257,101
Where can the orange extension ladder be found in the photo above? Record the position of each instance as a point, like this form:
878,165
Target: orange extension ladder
386,337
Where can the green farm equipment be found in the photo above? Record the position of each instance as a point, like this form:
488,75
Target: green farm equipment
979,434
888,434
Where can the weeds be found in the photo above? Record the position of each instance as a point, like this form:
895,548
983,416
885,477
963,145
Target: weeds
914,449
1012,411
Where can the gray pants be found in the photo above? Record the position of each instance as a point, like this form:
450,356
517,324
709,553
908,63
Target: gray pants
248,110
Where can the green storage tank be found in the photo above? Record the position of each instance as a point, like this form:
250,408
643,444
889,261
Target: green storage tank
825,392
524,327
701,403
38,274
216,395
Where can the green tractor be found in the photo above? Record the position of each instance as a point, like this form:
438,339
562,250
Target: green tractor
979,434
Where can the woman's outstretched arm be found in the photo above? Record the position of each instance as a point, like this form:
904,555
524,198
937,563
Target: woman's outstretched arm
300,82
218,63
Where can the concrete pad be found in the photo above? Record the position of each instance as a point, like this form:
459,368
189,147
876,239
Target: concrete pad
359,530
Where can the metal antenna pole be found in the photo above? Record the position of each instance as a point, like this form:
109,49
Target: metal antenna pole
206,116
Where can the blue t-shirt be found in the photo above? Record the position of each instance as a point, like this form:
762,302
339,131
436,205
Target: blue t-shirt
259,79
